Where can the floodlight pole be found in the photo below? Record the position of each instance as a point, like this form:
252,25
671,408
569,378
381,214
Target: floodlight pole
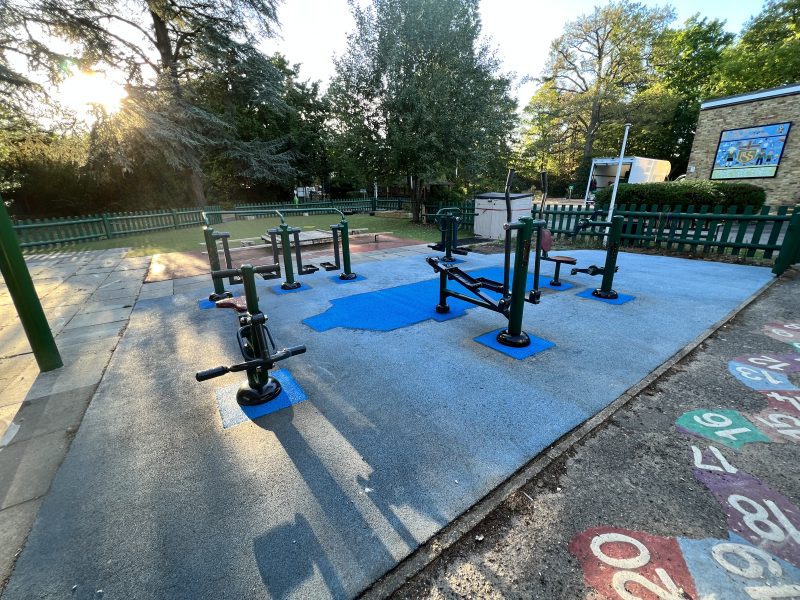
616,179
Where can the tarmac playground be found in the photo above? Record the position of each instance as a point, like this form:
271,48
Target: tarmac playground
395,422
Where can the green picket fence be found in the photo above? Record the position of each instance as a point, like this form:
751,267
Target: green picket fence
52,233
344,205
697,230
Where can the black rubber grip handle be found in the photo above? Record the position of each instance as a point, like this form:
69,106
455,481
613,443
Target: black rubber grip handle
295,350
211,373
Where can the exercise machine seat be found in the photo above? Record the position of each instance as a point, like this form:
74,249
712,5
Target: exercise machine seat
239,304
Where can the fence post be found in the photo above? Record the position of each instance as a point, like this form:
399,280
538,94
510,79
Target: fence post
174,218
107,226
790,249
20,287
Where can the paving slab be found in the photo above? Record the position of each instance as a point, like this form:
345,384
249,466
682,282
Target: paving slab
15,523
100,316
27,467
402,432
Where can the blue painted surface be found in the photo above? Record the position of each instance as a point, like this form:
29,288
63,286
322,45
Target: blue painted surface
335,279
620,299
205,304
399,306
537,345
233,414
277,289
282,504
712,580
758,378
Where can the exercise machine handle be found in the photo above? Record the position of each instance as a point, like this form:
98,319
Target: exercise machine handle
287,352
211,373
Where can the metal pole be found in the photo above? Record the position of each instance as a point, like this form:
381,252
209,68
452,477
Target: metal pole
290,283
346,273
507,248
213,260
616,177
23,293
514,336
614,237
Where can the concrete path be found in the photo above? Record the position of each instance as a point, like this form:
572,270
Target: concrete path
667,482
402,432
88,298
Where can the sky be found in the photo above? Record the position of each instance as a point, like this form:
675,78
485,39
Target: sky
312,31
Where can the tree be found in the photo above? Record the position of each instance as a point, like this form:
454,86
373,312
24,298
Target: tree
163,47
687,63
602,59
418,95
767,54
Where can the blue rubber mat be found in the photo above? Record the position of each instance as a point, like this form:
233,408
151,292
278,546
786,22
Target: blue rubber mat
233,414
620,299
537,345
544,282
401,306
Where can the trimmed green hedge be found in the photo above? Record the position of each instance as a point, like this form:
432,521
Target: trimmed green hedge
680,194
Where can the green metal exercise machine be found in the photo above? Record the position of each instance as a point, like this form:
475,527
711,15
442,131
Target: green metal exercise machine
614,227
513,293
255,341
285,232
448,222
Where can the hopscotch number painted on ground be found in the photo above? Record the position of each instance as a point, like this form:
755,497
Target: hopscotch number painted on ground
761,559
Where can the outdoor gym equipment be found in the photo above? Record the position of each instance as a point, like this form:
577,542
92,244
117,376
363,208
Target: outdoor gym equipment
614,227
448,221
284,231
612,250
255,341
513,296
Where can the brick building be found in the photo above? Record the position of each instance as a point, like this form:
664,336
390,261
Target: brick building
752,138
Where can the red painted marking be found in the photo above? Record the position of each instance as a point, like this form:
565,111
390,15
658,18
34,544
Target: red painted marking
787,402
663,556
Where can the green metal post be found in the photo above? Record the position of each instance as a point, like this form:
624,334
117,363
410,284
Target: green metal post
213,260
790,249
514,336
346,273
612,250
23,293
255,377
286,245
448,225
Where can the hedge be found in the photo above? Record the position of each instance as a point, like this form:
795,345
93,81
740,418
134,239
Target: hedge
680,194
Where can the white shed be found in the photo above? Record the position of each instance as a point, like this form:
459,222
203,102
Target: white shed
635,169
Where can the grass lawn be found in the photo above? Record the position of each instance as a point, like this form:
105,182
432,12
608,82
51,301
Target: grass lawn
191,239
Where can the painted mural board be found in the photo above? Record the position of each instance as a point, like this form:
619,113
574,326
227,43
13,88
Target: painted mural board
750,152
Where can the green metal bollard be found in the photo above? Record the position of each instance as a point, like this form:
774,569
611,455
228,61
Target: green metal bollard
213,259
612,250
513,335
346,273
790,249
23,293
286,245
256,378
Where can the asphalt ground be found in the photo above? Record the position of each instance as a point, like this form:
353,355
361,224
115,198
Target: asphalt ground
402,432
567,532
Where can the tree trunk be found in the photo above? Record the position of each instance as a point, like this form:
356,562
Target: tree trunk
591,130
195,189
415,208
